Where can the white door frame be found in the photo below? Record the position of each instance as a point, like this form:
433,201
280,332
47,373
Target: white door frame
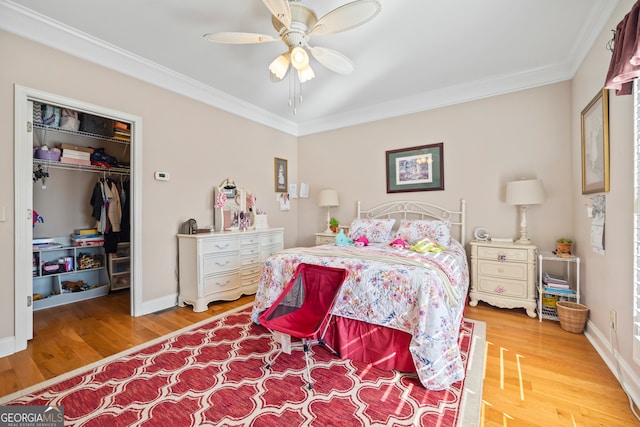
23,193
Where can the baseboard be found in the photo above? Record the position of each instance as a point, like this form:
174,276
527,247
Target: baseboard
7,346
159,304
629,381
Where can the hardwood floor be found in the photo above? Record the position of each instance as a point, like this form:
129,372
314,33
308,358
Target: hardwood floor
536,374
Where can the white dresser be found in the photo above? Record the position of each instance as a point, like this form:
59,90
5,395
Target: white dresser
503,274
223,266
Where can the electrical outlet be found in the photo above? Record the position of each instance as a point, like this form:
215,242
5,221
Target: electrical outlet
613,320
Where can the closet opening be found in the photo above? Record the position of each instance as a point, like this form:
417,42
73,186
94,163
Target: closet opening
75,171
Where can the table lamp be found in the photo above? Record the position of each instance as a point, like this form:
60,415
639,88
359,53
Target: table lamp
522,193
328,198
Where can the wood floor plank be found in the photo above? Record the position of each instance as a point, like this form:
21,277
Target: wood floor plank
536,374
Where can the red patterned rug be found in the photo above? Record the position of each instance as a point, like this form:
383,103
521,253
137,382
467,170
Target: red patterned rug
213,374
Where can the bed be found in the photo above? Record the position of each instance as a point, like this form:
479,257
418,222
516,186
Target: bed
398,308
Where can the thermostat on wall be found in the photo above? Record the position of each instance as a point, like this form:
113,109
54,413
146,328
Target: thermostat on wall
162,176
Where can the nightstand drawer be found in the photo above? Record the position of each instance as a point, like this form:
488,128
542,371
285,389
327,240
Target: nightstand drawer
515,271
325,239
507,288
503,254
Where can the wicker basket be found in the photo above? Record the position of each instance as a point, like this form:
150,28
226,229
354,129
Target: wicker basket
573,316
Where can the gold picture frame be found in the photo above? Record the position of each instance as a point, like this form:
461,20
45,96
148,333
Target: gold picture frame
594,123
280,175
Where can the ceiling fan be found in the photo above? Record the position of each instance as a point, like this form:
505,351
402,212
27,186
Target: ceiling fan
296,23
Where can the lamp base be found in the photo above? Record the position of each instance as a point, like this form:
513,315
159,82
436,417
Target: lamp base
329,230
523,241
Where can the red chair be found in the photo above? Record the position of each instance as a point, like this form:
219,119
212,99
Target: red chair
303,309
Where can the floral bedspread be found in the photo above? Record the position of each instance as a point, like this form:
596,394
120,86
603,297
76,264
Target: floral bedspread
410,297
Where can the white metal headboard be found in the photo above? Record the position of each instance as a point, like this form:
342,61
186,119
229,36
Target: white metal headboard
411,209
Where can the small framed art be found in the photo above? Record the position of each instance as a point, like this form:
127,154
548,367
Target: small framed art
280,175
594,121
415,169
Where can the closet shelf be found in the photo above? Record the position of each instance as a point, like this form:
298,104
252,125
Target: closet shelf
79,133
68,166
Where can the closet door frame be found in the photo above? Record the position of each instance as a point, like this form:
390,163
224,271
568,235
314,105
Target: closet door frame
23,193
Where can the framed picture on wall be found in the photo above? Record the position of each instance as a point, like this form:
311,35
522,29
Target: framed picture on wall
281,176
594,122
415,169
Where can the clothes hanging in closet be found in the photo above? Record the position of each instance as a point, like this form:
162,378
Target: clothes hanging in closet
107,210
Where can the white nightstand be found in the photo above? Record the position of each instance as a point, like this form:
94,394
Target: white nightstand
503,274
325,238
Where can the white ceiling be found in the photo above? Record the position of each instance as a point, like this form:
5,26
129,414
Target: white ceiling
415,55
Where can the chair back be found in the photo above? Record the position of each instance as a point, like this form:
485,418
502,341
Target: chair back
302,309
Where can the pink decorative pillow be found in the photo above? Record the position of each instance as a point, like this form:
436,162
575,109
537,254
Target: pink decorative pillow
413,230
376,230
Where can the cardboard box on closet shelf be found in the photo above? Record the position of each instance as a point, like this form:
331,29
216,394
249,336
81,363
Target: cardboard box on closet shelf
77,148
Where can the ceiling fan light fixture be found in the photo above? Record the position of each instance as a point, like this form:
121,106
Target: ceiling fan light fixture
299,58
280,65
305,74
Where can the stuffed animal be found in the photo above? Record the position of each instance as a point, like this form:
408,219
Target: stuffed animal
362,241
398,244
343,240
426,245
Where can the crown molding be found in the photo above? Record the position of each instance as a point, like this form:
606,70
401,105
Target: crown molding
31,25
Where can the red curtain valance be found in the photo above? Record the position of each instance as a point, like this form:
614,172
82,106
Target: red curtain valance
625,61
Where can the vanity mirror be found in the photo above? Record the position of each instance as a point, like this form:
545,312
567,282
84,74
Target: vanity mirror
231,211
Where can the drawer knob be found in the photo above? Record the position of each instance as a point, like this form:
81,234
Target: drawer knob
501,270
500,290
502,257
220,264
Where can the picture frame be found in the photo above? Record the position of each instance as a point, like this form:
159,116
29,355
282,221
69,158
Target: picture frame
594,123
418,168
280,175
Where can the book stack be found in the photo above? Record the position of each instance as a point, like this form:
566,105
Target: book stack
75,157
45,243
87,237
556,283
121,131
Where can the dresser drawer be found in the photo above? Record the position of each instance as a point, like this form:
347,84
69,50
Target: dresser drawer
271,238
503,254
251,239
507,288
266,252
221,283
248,250
219,263
220,245
516,271
252,270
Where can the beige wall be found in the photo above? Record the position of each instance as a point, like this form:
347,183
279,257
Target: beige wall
486,144
199,145
608,278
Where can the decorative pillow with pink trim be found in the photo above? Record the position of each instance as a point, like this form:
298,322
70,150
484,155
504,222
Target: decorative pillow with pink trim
413,230
376,230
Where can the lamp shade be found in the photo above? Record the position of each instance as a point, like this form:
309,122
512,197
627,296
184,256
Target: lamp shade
525,192
328,198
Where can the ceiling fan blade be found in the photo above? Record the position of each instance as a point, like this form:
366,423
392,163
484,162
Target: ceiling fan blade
335,61
280,9
239,38
347,17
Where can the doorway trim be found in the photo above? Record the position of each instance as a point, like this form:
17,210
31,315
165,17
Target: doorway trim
23,194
